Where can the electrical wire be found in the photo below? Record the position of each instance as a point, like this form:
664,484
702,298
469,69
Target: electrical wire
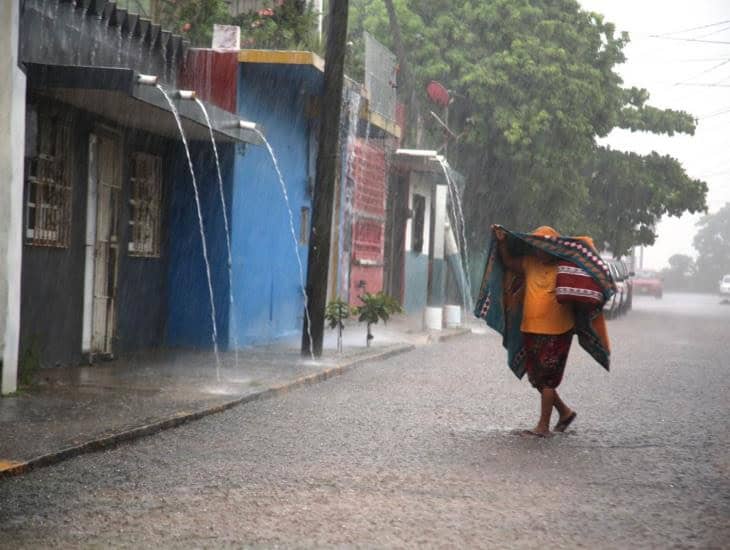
717,66
714,32
696,28
688,39
712,115
703,84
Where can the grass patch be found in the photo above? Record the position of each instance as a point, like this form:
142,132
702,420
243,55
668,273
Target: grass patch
29,365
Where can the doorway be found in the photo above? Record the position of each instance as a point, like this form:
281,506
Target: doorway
102,244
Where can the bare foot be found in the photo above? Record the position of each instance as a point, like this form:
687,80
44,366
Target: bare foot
565,421
536,433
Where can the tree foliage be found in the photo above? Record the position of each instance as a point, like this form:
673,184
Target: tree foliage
290,24
193,19
712,242
534,84
628,193
680,273
376,307
280,24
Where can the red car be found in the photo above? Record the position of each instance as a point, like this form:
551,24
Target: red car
649,283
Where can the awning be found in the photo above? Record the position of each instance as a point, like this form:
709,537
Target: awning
117,95
418,160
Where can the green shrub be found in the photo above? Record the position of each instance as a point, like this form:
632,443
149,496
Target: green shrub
29,365
335,314
376,307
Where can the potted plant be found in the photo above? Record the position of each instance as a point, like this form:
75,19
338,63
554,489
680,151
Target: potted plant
336,313
376,307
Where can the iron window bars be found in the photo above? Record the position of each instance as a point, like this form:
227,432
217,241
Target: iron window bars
49,184
145,205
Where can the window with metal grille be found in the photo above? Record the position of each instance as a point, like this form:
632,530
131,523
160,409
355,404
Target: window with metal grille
304,226
145,205
418,222
48,179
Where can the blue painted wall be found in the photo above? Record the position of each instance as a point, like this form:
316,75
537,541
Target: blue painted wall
189,321
142,292
416,282
267,282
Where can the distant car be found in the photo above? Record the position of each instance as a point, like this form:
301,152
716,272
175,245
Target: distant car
648,283
725,286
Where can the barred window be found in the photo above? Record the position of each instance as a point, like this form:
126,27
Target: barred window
304,226
418,223
49,189
145,205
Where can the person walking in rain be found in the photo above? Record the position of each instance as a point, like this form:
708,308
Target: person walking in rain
520,298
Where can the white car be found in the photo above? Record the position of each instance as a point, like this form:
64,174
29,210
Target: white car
725,286
614,306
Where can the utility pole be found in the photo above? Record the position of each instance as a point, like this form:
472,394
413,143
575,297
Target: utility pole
319,242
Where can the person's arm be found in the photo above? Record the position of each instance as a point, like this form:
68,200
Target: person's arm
509,261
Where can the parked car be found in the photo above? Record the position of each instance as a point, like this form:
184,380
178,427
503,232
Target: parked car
627,278
725,287
614,307
649,283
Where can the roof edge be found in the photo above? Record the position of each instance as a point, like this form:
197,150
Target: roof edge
281,57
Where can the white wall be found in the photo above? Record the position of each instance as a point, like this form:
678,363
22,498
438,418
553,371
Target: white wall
12,145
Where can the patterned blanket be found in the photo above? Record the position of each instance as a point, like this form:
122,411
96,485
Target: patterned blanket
502,293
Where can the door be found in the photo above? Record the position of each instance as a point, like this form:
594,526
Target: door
395,236
106,243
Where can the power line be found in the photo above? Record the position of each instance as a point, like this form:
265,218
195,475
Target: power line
697,28
688,39
714,32
703,84
704,72
713,174
712,115
654,61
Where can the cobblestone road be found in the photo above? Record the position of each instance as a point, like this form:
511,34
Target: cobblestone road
419,450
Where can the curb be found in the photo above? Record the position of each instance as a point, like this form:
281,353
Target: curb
446,337
11,469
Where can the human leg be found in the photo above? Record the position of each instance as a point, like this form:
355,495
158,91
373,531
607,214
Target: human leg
547,400
560,406
545,364
563,410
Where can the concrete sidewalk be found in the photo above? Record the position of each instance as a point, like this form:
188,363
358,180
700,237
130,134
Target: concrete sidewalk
82,409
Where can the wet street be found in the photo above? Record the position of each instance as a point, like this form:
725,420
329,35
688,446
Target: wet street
420,450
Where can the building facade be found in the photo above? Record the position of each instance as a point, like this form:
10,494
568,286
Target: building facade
271,216
112,248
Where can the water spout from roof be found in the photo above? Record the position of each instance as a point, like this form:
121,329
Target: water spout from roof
247,125
147,79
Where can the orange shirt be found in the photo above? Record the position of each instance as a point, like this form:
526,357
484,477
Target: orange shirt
542,314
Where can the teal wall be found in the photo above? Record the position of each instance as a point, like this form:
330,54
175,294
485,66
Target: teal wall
416,282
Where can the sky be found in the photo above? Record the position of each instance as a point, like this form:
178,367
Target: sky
676,72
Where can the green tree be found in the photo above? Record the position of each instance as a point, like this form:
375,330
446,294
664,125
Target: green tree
290,24
712,242
376,307
628,194
533,84
336,313
680,273
193,19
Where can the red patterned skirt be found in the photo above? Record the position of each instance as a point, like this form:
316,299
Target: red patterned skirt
546,358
